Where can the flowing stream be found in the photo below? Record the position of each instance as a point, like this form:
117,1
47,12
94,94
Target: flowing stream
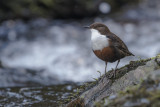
41,60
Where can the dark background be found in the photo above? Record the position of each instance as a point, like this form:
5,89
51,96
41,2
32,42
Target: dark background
59,9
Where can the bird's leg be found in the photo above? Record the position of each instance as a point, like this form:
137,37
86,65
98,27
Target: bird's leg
106,68
105,72
114,73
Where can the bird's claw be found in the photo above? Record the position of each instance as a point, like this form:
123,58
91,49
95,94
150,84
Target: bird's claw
112,75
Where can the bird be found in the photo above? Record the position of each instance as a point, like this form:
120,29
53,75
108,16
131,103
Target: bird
107,46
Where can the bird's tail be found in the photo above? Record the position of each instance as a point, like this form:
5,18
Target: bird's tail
130,54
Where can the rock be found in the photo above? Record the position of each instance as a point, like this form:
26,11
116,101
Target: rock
41,96
127,76
147,93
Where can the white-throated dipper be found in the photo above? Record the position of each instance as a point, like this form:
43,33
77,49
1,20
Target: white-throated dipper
107,46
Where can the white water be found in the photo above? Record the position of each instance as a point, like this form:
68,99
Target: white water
65,52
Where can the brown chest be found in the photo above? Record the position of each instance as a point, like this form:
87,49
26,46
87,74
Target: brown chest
106,54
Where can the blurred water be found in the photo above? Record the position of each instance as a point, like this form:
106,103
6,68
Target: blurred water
65,51
62,49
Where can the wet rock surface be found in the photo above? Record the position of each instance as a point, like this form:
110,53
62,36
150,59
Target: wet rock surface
49,96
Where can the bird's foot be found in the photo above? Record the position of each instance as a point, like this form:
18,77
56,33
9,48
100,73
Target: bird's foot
106,76
103,77
112,75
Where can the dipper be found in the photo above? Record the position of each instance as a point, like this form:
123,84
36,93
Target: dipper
107,46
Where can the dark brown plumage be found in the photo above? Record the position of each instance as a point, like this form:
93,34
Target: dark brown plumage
114,49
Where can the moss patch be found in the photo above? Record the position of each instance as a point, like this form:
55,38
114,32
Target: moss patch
131,66
76,103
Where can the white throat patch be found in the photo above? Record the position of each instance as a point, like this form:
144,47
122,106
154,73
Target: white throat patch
98,41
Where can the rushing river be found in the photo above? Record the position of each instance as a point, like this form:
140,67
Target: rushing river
43,52
63,51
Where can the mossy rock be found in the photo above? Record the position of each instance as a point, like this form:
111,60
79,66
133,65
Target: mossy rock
130,75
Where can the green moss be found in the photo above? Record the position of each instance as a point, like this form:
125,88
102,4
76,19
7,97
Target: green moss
131,66
157,59
76,103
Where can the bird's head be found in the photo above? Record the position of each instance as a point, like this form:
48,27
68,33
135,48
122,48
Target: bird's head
101,28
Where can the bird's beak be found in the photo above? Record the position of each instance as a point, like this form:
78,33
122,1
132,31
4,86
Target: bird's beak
86,27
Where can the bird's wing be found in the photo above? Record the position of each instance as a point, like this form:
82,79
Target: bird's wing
119,44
